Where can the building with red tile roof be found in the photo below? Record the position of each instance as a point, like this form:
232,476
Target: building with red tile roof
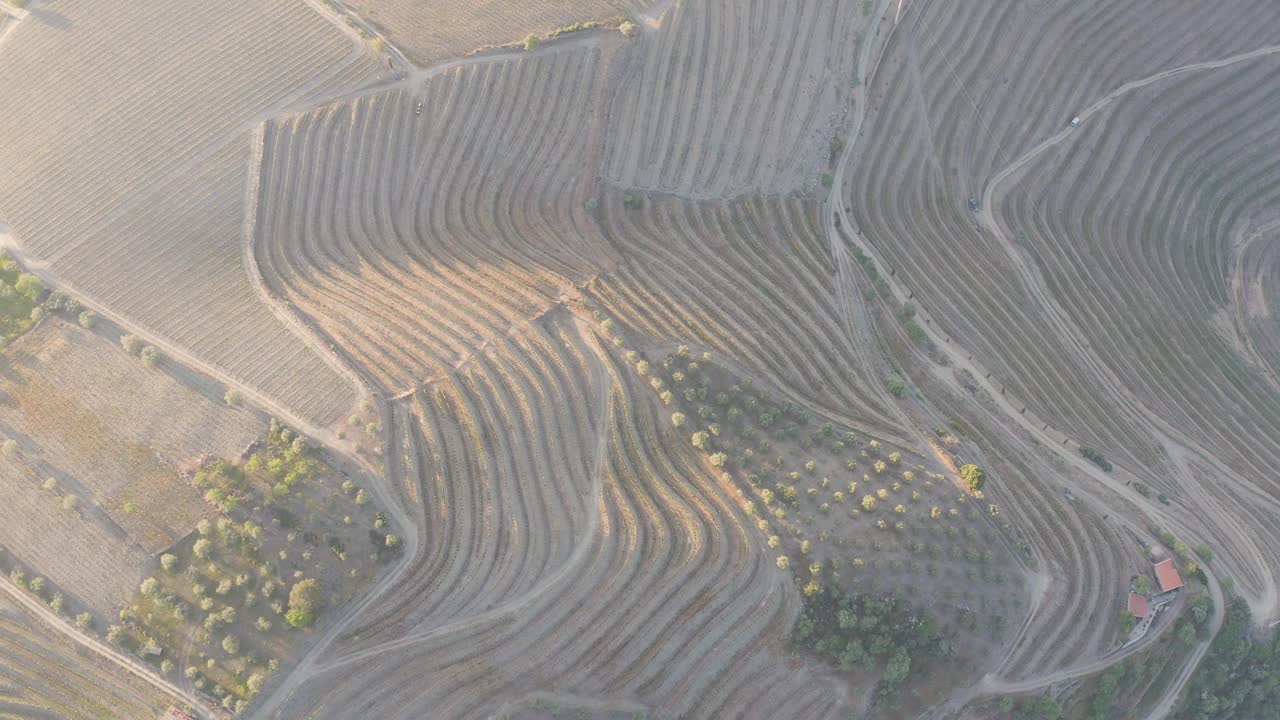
1167,575
1137,604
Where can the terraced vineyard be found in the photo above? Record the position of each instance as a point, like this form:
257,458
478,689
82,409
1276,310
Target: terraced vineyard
735,96
501,602
42,676
136,201
722,358
1090,286
722,275
414,247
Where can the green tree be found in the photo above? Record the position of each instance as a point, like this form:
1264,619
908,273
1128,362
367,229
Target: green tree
84,621
898,668
1142,585
132,344
973,477
304,603
29,286
1127,621
202,548
169,562
532,42
88,319
150,356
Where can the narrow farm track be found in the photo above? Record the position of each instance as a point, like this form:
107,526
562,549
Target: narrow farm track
654,519
431,262
734,97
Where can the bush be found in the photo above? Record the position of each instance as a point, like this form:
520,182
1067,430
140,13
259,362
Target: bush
1096,457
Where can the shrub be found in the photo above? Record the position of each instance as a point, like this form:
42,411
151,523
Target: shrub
88,319
700,438
132,344
150,357
362,498
1096,457
896,387
233,397
38,313
84,621
169,562
627,28
115,635
532,42
9,447
231,645
70,503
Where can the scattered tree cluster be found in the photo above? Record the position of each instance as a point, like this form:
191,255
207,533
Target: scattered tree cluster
1239,679
20,295
869,632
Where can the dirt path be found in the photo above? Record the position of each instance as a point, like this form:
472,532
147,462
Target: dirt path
58,624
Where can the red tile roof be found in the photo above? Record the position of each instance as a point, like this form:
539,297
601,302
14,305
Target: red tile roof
1137,605
1168,575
